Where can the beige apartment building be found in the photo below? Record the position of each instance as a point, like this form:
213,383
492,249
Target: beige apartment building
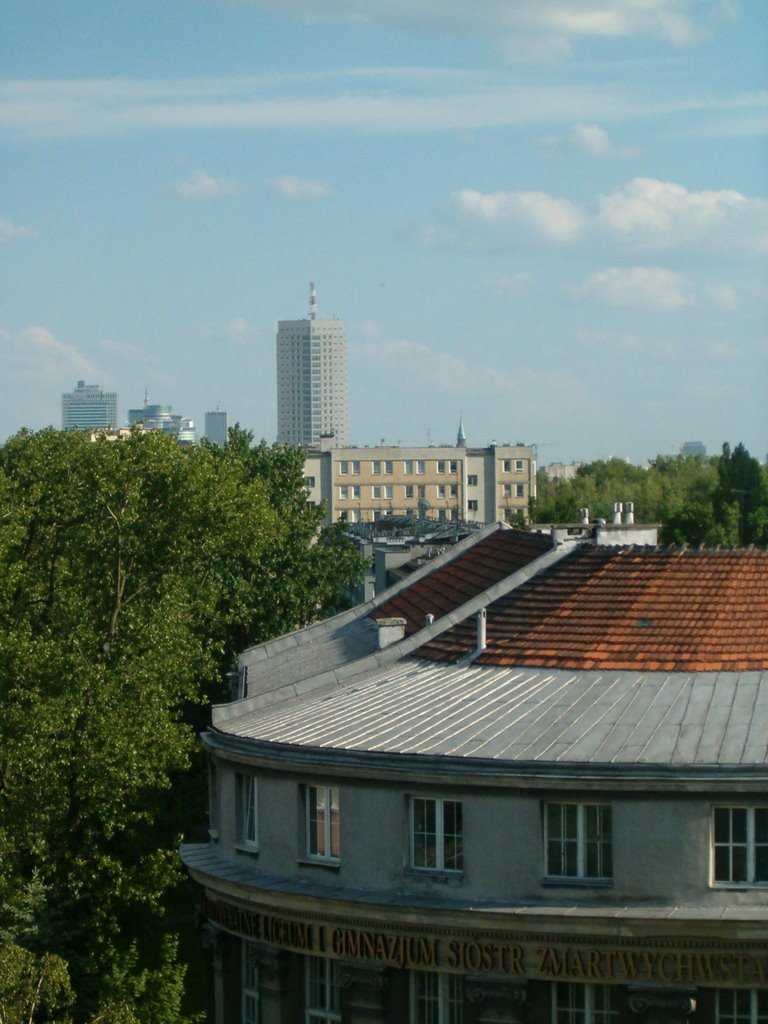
481,485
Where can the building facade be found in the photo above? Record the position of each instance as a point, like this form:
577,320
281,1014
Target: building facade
451,482
88,407
311,379
162,417
528,785
216,427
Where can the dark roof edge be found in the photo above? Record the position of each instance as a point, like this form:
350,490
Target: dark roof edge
345,674
421,767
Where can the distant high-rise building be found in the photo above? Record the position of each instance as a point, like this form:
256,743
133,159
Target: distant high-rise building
88,407
693,448
216,427
311,379
162,417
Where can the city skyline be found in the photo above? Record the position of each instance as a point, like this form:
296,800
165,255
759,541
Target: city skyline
550,220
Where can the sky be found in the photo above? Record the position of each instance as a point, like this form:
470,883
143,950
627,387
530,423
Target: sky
549,219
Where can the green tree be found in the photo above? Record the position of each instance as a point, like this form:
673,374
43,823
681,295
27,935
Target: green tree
131,572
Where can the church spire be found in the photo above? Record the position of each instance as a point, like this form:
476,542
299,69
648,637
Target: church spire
461,437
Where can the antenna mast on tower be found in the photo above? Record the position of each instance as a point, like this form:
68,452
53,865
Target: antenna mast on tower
312,301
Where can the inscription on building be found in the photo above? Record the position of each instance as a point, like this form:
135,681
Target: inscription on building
469,954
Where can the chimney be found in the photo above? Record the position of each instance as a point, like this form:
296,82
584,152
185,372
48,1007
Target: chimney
629,512
584,516
390,631
481,638
617,507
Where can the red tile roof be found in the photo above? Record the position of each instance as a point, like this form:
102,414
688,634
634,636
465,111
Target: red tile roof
628,608
484,564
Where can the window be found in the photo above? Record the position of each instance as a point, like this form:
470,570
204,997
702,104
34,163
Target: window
388,491
250,985
472,505
354,468
507,490
452,466
506,466
409,490
742,1007
519,490
436,835
440,466
388,467
472,480
519,466
578,841
408,467
309,481
322,991
583,1004
422,490
322,823
740,845
343,467
441,490
343,492
436,998
420,468
376,491
349,491
376,468
246,811
454,490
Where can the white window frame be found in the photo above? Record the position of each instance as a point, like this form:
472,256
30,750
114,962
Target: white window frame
454,490
322,1001
442,862
507,490
323,830
519,490
247,811
376,491
472,480
736,1012
436,998
354,492
506,465
440,466
388,491
388,467
581,841
472,505
421,467
440,488
343,467
408,465
249,988
749,847
519,465
354,468
409,490
578,1003
376,468
343,492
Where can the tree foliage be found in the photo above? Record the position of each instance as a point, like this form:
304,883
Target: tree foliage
720,500
131,572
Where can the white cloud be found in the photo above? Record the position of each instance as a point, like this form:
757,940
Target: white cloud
367,99
36,354
541,30
724,296
622,341
125,349
594,140
638,288
300,188
658,214
645,215
201,185
9,231
237,330
537,213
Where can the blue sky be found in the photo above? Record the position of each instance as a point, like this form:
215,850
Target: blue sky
550,218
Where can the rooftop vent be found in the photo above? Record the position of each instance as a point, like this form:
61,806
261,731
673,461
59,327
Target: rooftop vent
481,635
390,631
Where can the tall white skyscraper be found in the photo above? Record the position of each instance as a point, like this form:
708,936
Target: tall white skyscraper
88,407
216,426
311,378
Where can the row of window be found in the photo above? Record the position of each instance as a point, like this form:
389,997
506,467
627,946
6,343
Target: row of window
578,840
418,467
353,492
439,998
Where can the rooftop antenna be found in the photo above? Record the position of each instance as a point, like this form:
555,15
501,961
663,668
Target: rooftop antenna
312,301
146,397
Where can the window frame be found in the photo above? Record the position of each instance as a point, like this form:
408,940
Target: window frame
738,1014
581,841
250,1002
750,845
247,812
330,990
441,839
442,995
323,797
472,480
587,1012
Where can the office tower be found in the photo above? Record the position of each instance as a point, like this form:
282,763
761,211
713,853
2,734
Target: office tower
88,407
162,417
216,426
311,379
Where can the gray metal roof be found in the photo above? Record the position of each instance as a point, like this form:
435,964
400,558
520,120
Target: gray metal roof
528,715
